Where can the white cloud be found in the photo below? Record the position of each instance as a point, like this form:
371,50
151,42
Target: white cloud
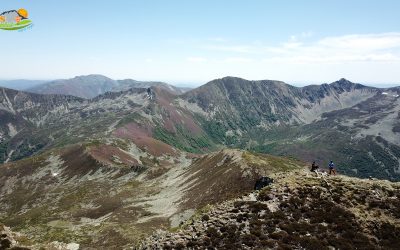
365,58
340,58
339,49
362,42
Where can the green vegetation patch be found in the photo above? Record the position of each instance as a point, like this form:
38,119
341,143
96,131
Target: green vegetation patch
134,117
183,140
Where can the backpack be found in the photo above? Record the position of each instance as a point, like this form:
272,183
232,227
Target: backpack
263,182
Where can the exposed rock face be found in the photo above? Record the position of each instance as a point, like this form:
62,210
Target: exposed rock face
22,113
32,122
33,106
362,139
298,211
255,103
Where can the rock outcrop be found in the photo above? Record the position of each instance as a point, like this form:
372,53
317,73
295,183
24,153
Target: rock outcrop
298,211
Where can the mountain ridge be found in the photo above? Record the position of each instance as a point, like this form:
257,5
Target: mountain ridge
287,97
229,112
90,86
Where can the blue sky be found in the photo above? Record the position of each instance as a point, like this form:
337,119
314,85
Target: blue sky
192,42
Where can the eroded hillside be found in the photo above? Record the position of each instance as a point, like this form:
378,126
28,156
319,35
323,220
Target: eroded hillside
100,196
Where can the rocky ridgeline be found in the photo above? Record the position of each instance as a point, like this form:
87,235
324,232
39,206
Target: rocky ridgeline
17,241
298,211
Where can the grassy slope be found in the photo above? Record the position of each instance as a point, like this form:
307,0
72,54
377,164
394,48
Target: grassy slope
103,202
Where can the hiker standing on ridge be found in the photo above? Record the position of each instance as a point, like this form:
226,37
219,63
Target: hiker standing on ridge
332,168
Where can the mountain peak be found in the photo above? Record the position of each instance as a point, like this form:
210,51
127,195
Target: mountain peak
233,78
344,84
98,76
90,78
344,80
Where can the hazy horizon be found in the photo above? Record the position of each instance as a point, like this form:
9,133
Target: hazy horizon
197,84
194,42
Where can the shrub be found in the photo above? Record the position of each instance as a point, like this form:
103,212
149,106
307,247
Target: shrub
205,217
268,243
278,235
257,207
179,246
5,243
212,232
249,240
312,243
192,244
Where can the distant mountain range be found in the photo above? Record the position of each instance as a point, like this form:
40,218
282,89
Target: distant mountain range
91,86
20,84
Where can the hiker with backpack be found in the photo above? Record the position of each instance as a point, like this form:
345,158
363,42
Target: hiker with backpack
314,167
332,168
263,182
